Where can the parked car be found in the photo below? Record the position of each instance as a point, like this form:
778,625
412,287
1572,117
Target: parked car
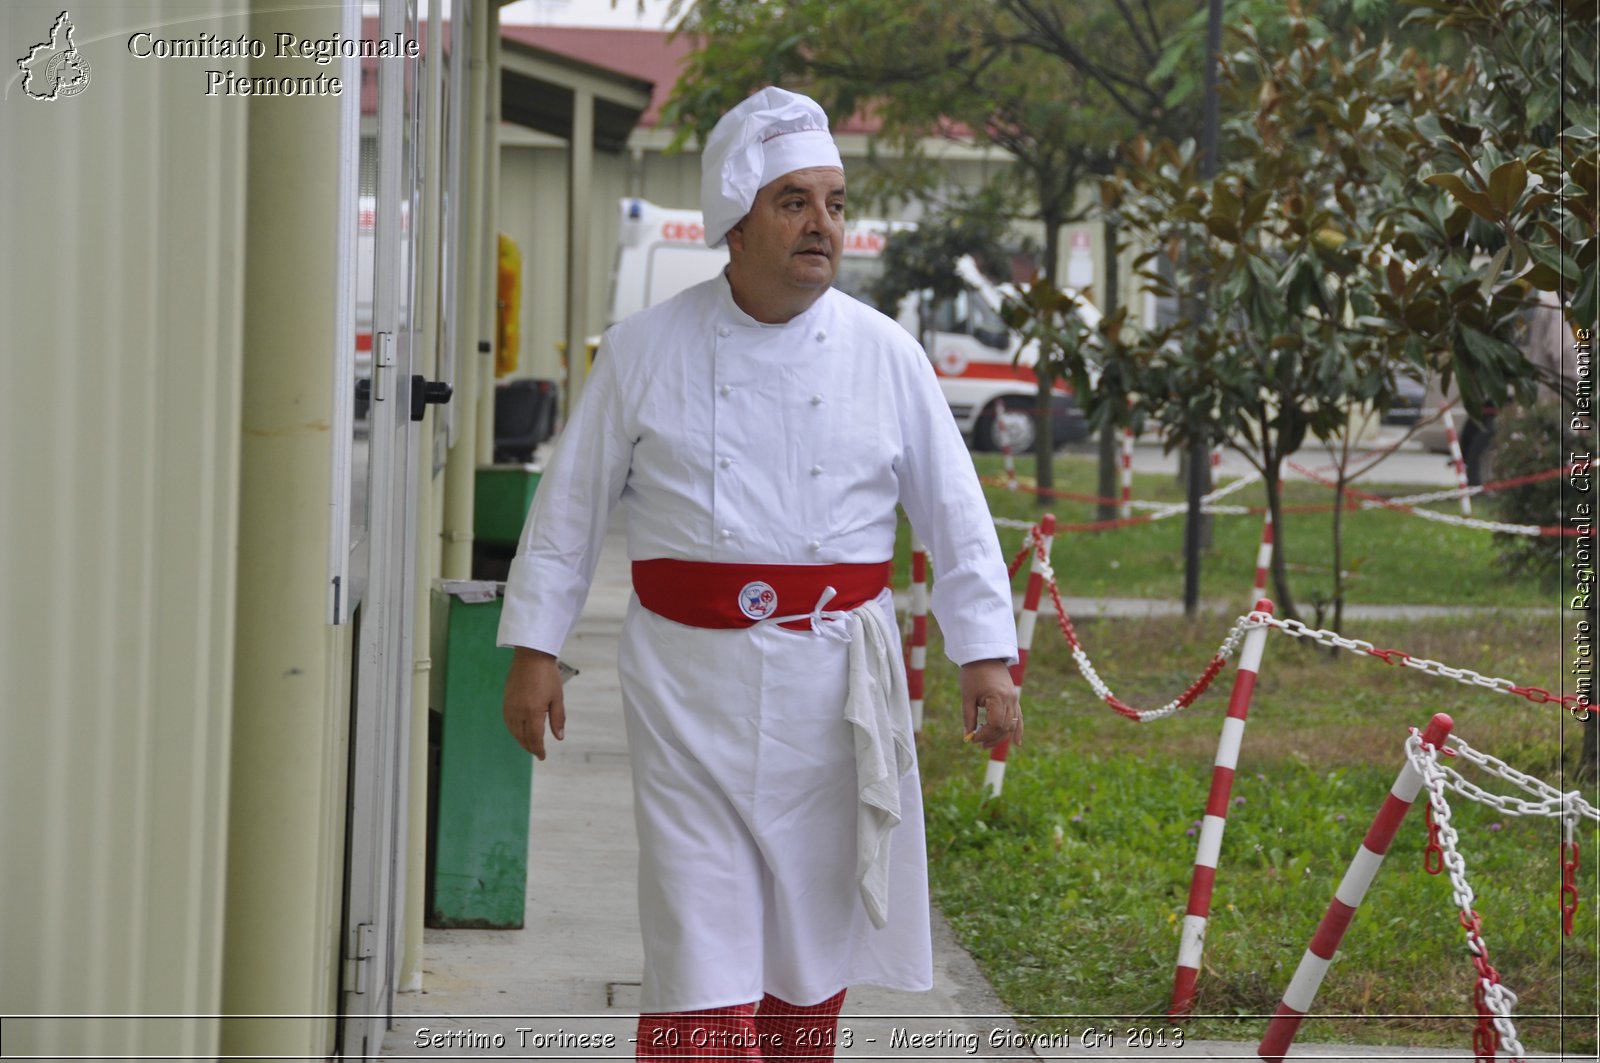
1410,396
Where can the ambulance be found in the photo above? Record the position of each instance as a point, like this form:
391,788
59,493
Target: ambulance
984,369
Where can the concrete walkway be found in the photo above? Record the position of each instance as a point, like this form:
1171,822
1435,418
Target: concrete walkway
569,981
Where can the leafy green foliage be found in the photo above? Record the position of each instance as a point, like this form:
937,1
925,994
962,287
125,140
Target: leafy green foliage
1532,439
1514,149
1275,258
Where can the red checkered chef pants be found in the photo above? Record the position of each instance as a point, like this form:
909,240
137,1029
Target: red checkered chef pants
757,1033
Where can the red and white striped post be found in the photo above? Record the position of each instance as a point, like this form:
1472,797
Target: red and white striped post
1297,999
994,775
1456,459
917,659
1125,508
1011,468
1192,942
1263,559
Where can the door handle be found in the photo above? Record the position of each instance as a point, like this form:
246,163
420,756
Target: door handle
424,391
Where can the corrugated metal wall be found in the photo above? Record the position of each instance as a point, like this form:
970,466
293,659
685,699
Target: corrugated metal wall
533,212
120,299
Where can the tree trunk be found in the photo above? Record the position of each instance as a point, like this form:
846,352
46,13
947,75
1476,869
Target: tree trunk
1273,477
1338,550
1107,487
1044,442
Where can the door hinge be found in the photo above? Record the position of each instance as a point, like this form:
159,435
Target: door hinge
358,960
382,358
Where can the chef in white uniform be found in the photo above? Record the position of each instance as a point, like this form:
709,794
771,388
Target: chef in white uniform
760,429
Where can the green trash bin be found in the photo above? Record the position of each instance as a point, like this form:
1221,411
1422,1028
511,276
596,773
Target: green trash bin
479,872
502,497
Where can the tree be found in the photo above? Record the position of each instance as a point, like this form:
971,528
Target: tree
1281,247
1519,157
1148,59
1513,144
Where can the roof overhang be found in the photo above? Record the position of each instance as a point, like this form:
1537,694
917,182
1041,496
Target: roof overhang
538,90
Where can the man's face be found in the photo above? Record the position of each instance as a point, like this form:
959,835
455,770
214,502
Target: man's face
792,237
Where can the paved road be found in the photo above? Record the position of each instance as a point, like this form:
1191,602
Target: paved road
1407,463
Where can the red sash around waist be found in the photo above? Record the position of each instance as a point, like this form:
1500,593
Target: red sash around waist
709,594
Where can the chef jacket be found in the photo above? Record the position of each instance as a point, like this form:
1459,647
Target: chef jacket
730,440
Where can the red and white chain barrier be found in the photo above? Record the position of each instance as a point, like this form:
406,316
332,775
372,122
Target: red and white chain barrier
1497,485
917,647
1208,502
1039,541
1086,668
1125,504
1191,944
1493,1001
1302,991
1263,558
1456,459
1369,501
1550,802
1573,703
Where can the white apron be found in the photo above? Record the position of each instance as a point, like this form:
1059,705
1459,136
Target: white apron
744,779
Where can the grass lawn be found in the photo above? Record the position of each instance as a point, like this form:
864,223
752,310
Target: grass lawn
1070,888
1389,557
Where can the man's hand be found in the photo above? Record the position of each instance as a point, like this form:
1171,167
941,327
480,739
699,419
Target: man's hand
988,684
533,694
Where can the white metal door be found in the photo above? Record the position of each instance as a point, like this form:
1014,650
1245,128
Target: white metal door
381,702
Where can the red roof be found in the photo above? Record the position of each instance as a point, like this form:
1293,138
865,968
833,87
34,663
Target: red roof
652,55
645,54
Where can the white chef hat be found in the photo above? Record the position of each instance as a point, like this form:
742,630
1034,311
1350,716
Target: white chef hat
770,134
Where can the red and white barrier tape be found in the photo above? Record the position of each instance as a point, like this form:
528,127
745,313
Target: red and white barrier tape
1324,470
